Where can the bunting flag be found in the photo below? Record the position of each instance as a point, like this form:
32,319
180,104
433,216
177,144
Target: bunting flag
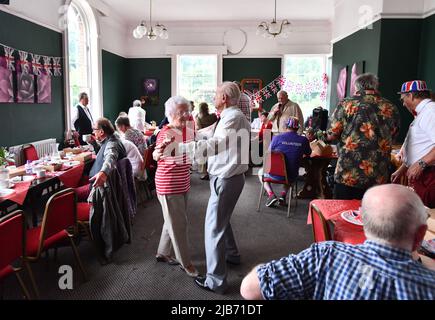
47,65
57,67
281,83
51,65
36,65
24,63
10,60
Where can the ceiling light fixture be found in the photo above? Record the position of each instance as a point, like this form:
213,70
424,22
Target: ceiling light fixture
273,29
159,30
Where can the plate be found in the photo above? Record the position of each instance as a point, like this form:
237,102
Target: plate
6,192
71,163
18,179
352,216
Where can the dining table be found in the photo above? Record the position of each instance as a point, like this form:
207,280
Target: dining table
28,189
347,232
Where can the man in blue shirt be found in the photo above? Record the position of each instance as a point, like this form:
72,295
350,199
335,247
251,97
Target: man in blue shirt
293,146
381,268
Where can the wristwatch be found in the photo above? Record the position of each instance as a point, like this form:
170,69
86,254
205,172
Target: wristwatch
422,164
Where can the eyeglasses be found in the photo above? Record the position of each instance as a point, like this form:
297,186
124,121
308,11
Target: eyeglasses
183,113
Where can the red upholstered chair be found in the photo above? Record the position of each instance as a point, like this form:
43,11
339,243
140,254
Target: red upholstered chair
83,211
60,216
321,230
12,240
274,164
30,153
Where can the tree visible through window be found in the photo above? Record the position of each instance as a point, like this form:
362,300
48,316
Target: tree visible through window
78,52
197,78
304,81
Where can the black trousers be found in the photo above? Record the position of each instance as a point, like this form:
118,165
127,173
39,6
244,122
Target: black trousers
344,192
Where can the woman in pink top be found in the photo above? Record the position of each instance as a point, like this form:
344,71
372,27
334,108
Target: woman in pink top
172,184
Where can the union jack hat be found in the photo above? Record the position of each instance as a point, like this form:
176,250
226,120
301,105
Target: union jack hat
292,123
413,86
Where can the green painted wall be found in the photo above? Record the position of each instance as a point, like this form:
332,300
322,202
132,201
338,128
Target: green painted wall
115,85
360,46
398,61
139,69
266,69
21,123
427,61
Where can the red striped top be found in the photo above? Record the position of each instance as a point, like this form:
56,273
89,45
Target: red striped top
173,173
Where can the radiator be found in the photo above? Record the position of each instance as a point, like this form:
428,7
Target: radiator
43,147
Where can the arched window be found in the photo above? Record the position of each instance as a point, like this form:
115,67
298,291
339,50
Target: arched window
83,74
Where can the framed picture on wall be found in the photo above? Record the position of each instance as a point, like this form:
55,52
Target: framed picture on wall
357,69
342,83
251,87
150,88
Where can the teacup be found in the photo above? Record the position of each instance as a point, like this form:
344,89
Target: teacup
4,184
87,138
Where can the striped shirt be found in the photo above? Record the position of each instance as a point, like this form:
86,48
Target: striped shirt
339,271
173,173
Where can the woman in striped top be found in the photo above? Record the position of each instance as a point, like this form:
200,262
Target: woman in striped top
172,184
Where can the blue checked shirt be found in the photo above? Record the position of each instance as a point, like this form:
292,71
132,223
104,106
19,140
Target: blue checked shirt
339,271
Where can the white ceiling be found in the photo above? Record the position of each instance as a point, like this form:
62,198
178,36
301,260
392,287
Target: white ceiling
132,11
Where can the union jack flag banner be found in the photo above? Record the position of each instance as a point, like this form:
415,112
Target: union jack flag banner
9,55
37,66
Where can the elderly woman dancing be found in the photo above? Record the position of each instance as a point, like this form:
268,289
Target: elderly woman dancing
172,185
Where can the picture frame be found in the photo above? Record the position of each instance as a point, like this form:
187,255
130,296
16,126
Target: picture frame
150,89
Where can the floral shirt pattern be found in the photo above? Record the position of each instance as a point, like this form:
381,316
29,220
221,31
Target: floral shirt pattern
137,138
365,126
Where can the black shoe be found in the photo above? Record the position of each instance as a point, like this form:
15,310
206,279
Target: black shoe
169,260
200,282
271,201
281,201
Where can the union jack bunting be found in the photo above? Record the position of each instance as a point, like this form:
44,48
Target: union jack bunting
36,65
10,60
47,65
57,67
25,65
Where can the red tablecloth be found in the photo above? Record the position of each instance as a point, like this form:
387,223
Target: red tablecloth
70,177
330,208
20,192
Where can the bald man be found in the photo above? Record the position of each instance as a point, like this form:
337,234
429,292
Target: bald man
282,111
381,268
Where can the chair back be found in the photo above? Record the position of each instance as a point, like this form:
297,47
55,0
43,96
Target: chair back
320,227
150,164
30,153
60,214
12,238
275,164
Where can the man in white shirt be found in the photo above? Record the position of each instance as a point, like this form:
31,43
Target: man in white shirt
82,117
228,159
135,158
137,116
419,147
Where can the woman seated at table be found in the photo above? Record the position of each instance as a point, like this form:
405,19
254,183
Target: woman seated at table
294,147
130,133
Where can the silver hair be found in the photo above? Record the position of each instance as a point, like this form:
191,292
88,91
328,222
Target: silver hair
137,103
232,91
397,217
282,92
366,81
171,106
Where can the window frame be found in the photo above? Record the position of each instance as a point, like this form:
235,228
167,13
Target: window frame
94,63
325,70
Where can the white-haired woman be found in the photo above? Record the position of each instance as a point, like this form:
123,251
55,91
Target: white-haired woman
172,185
137,116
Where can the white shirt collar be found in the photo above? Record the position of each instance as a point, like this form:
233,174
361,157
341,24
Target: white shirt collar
421,105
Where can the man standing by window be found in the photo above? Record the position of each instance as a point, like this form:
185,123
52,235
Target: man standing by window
82,118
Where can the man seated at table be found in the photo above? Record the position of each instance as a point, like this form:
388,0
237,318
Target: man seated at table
111,150
381,268
294,148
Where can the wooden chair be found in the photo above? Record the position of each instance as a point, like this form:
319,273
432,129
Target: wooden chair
13,244
321,230
60,215
275,164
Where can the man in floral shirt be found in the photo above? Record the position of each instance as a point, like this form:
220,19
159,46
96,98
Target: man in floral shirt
365,127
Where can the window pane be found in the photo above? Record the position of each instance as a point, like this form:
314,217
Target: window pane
197,78
78,54
304,81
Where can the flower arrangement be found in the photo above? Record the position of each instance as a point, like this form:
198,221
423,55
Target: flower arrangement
5,157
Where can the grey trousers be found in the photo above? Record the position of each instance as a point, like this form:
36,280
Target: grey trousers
174,231
220,244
